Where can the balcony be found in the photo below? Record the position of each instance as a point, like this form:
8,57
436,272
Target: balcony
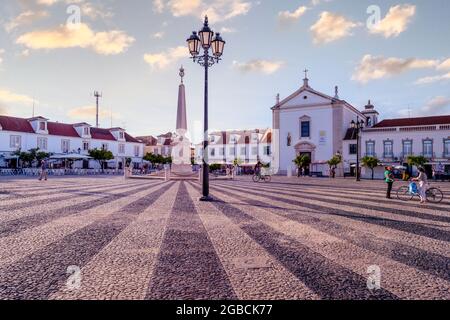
428,155
370,154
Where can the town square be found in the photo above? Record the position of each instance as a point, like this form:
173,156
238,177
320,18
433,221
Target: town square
224,150
290,239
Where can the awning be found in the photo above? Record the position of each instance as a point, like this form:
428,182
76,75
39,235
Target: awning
70,156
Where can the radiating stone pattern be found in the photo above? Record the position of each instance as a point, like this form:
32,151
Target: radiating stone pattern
288,239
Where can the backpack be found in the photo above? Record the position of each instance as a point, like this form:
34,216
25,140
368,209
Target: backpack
413,188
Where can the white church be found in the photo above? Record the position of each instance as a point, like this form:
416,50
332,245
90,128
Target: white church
318,125
312,123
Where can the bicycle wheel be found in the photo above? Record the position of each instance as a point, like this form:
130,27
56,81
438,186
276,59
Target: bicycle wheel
404,194
267,178
434,195
256,178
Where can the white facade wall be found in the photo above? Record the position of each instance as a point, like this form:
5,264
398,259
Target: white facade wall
230,157
54,145
438,134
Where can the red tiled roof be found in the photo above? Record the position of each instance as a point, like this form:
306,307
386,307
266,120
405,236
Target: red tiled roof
129,138
61,129
407,122
102,134
148,140
15,124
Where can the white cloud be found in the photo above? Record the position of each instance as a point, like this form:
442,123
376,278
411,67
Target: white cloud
158,6
395,22
373,68
287,17
163,59
445,65
227,30
260,66
433,79
436,105
7,96
106,43
331,27
86,112
25,18
158,35
217,10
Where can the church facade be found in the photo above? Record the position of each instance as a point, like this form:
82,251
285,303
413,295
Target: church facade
318,125
311,123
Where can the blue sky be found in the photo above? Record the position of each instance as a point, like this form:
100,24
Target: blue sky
132,50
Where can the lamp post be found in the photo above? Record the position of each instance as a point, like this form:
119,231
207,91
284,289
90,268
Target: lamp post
204,38
357,126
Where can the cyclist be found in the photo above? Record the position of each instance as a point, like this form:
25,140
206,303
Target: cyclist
422,179
258,168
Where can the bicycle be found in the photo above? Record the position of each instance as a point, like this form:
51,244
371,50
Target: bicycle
433,195
258,177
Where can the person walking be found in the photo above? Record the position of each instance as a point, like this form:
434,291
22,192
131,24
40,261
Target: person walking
389,178
422,179
44,173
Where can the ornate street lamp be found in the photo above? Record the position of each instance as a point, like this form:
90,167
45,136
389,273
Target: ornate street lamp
357,127
206,39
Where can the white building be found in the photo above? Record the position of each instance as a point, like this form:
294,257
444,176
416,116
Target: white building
393,140
311,123
246,146
60,138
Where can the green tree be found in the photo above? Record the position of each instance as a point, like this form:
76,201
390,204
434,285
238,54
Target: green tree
27,158
302,161
101,155
214,167
418,161
237,162
334,162
371,163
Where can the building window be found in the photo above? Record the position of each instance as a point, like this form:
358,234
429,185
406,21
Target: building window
428,148
446,148
137,151
121,135
86,131
105,146
42,126
388,151
221,151
352,148
212,138
213,152
86,146
267,150
243,151
232,151
65,146
15,142
121,148
232,139
254,151
370,148
42,143
305,129
407,148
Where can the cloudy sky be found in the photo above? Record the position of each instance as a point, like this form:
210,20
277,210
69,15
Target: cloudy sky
394,53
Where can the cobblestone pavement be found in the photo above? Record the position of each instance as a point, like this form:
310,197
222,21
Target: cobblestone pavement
107,238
